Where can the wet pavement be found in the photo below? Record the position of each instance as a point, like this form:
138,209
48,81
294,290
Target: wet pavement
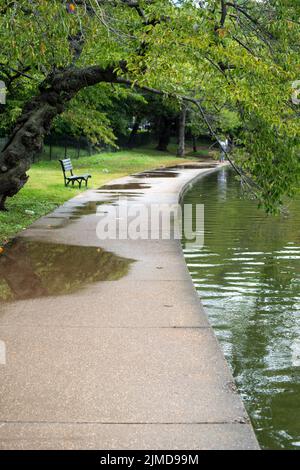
107,344
125,186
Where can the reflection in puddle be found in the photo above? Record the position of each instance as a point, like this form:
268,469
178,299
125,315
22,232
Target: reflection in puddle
200,166
88,208
125,186
31,269
67,214
156,174
117,194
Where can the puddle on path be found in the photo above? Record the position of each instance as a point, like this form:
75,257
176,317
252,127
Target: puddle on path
69,213
157,174
128,186
87,208
30,269
117,194
65,215
200,166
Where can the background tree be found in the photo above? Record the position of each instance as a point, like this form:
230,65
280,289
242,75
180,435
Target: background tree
243,55
182,130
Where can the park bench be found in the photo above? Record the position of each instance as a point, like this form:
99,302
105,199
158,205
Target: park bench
67,166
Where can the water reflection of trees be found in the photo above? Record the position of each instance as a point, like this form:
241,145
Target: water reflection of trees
33,269
256,312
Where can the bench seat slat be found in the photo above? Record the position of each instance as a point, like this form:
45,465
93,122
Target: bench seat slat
74,177
82,176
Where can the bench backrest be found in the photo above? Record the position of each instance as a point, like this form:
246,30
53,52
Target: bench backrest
66,165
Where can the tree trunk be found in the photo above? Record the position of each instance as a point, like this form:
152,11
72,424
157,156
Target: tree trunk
164,134
133,133
2,202
194,144
181,132
35,122
50,149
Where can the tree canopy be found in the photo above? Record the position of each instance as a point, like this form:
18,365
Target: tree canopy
239,57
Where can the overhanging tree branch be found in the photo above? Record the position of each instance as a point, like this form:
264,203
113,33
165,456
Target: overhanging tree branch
197,103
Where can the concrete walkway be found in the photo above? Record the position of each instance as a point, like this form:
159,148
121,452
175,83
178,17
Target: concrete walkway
107,344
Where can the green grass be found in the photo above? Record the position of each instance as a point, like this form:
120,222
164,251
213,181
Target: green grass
45,189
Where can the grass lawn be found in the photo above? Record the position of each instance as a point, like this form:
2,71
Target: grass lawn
45,189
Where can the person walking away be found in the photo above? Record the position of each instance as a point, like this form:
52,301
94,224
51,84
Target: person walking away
224,144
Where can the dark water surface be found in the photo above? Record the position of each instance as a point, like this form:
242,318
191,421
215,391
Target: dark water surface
248,277
31,269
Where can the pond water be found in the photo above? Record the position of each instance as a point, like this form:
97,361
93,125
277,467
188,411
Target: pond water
248,276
